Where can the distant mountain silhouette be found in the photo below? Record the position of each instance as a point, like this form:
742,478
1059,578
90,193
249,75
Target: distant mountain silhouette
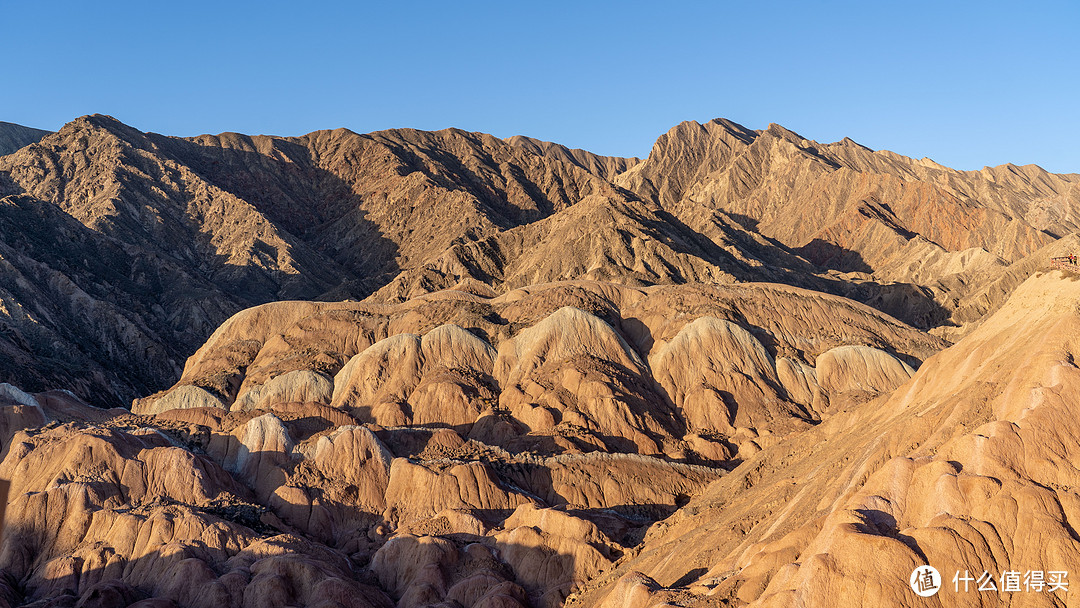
13,137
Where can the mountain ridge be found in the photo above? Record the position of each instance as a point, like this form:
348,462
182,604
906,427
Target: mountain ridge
392,214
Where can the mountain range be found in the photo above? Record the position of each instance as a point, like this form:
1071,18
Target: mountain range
447,369
126,249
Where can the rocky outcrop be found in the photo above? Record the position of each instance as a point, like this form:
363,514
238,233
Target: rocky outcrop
565,367
302,386
859,368
184,397
719,376
954,468
438,378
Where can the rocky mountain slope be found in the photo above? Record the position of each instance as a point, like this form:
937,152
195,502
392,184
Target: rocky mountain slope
900,220
576,443
448,448
443,369
132,247
168,237
966,466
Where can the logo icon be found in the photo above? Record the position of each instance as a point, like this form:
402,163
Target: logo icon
925,581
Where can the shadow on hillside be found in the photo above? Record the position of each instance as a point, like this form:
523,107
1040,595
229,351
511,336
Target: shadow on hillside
913,304
829,255
191,573
910,303
313,205
123,336
276,570
880,523
747,222
805,267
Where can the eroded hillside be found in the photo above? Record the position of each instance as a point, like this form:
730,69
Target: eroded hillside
451,448
443,369
123,250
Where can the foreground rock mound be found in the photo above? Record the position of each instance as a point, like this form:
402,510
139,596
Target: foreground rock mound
963,467
202,507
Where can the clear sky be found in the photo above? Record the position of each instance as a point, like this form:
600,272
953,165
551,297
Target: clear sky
965,83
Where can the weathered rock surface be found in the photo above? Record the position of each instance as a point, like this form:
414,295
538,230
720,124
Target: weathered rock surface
122,251
860,369
870,204
563,367
573,379
925,234
961,467
486,450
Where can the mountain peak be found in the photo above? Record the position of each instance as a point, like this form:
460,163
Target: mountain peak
784,133
101,122
847,141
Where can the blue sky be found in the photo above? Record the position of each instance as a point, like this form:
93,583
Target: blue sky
965,83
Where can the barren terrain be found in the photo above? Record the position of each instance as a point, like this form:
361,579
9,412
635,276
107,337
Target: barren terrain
413,369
